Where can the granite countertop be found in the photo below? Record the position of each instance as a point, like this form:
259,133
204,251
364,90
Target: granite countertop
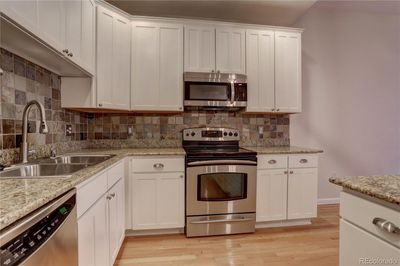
385,187
283,150
19,197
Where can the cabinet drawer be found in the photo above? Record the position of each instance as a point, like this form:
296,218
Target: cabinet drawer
87,195
272,161
362,212
357,246
115,173
158,164
303,161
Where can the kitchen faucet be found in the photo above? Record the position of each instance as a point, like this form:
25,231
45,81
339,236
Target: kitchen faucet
43,129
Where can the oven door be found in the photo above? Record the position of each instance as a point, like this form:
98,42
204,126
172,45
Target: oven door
223,188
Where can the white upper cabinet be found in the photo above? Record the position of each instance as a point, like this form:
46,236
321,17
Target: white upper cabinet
260,54
73,29
23,12
88,35
113,63
157,66
199,48
51,22
230,50
288,71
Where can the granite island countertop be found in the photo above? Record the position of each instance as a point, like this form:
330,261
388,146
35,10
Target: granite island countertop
385,187
283,150
19,197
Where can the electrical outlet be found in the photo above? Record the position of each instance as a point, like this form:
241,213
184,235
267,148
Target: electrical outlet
68,130
260,132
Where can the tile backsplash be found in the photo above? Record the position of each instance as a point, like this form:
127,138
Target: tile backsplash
154,130
23,81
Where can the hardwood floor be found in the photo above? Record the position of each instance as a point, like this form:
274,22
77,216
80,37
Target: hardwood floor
313,245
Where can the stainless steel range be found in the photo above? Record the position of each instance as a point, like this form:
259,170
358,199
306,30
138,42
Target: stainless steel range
220,183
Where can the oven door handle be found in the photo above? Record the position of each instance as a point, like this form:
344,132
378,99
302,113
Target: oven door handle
223,221
217,162
232,91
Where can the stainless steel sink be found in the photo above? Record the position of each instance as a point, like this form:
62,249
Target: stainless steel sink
41,170
77,159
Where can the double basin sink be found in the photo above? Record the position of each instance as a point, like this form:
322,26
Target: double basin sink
59,166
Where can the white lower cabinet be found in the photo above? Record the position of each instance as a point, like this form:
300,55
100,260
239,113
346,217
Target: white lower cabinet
158,193
93,236
358,247
271,195
286,187
101,220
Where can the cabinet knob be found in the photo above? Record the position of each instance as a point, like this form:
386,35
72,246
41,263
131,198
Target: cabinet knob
291,172
273,109
70,54
100,104
112,195
286,172
108,197
65,51
272,161
277,110
303,161
181,176
158,165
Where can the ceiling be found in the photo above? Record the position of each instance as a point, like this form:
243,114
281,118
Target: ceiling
271,12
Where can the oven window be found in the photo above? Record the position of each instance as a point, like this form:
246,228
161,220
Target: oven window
198,91
222,186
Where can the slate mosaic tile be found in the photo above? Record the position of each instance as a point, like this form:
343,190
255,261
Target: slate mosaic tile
19,66
20,97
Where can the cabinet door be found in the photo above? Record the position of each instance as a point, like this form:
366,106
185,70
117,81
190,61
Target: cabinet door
73,29
144,201
104,57
357,246
171,200
158,200
260,65
116,208
199,49
51,22
271,195
145,66
288,71
230,50
93,248
88,35
157,66
171,67
121,63
302,193
23,12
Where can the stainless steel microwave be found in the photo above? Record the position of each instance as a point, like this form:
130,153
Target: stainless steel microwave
215,90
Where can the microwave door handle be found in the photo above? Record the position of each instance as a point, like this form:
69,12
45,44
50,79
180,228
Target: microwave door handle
232,91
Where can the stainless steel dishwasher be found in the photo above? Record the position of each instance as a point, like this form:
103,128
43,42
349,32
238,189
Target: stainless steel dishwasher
45,237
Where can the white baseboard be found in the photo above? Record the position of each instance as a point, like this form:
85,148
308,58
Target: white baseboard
328,201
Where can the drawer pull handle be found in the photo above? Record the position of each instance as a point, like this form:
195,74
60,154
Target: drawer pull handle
385,225
272,161
303,161
158,165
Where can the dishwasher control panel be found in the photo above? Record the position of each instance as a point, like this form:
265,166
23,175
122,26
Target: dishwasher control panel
15,251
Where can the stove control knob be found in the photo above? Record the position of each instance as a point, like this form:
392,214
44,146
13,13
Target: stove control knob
230,134
187,134
192,134
225,133
236,134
